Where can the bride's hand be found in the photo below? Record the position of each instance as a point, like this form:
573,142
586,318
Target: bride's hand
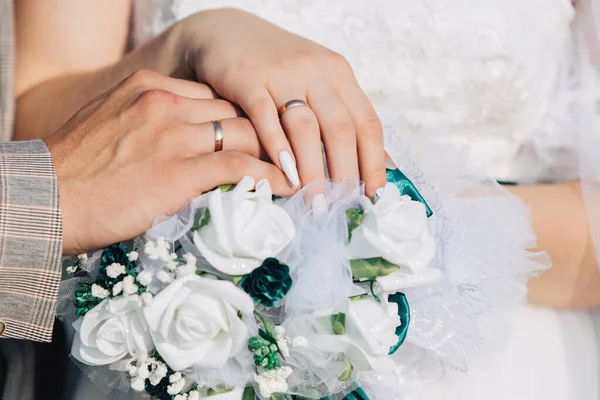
261,67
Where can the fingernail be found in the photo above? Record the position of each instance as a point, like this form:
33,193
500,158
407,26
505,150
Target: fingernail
378,194
288,167
319,205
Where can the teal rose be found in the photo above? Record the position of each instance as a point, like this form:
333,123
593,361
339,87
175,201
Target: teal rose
268,283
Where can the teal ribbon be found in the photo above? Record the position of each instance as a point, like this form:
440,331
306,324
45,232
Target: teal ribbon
404,314
356,394
406,187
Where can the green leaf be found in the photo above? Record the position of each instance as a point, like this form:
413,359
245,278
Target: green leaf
338,321
201,219
355,217
347,374
213,392
371,268
266,324
226,188
237,279
249,393
355,298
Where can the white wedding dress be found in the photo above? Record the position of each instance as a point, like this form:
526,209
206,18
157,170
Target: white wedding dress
495,75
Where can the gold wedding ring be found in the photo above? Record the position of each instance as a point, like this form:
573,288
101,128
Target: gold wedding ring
290,104
218,135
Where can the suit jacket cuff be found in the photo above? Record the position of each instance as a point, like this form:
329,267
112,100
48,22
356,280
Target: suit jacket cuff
30,241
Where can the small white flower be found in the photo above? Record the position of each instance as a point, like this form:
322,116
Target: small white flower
132,370
175,377
117,288
158,250
72,269
176,387
133,256
114,270
299,342
182,397
185,270
138,384
164,276
190,259
146,298
194,395
279,331
145,278
158,370
129,287
143,371
171,265
82,257
99,292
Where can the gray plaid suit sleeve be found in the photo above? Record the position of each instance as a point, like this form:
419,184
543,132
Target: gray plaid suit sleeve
30,240
30,221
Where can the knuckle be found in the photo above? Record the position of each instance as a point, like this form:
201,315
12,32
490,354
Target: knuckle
261,107
157,102
371,128
242,125
341,129
338,61
234,161
142,78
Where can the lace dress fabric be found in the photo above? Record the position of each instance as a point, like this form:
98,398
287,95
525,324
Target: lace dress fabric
497,76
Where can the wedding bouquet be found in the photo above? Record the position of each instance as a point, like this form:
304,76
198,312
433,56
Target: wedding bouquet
244,295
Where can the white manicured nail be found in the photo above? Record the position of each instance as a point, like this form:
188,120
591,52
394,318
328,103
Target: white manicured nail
319,205
288,167
378,194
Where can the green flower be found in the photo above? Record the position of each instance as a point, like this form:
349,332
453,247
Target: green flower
268,283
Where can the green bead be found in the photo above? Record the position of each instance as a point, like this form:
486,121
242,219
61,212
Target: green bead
273,347
79,302
81,311
273,362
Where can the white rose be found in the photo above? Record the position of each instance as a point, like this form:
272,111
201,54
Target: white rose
396,229
370,333
245,228
114,332
194,322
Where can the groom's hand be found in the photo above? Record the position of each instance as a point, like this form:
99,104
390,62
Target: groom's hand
140,151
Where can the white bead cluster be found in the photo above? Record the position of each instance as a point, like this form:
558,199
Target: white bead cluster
71,269
273,381
158,250
99,292
145,278
284,342
189,268
177,383
193,395
114,270
133,256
